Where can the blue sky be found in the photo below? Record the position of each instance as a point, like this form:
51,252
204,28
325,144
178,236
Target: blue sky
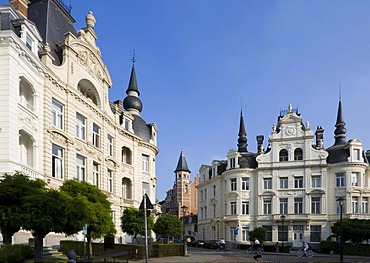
200,61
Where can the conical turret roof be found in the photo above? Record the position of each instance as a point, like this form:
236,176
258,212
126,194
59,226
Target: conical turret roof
182,165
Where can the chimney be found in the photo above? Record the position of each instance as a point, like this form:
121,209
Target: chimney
21,6
260,143
319,137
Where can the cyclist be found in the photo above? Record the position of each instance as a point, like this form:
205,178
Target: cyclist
305,246
222,243
257,247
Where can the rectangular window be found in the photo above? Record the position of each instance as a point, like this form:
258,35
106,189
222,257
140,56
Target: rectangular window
267,206
57,162
96,174
233,184
214,210
298,182
110,180
57,113
145,188
267,183
233,208
96,136
205,212
80,167
283,232
315,235
232,163
245,233
205,194
357,155
29,42
316,181
339,179
268,233
315,205
127,124
80,126
355,205
298,205
201,213
283,206
245,183
365,205
354,179
201,195
145,163
232,233
245,208
214,190
284,182
110,145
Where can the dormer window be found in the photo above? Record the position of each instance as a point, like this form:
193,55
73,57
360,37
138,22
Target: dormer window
29,42
232,163
356,154
283,155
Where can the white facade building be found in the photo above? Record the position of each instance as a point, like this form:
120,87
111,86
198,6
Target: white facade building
56,120
291,188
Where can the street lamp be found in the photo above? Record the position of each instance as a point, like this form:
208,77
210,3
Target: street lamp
282,217
341,202
184,209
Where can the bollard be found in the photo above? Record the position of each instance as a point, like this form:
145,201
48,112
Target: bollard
71,255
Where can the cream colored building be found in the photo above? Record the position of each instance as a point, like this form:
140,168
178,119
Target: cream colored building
290,188
56,120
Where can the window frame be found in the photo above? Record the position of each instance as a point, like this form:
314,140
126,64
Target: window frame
80,126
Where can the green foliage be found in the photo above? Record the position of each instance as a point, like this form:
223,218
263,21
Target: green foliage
15,253
259,233
132,222
168,225
355,230
13,189
98,217
166,250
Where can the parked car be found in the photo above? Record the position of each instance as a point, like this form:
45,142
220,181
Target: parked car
212,244
196,243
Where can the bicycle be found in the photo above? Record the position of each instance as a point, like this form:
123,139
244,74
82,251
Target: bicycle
308,252
252,250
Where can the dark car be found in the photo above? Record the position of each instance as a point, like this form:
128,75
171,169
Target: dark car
212,244
196,243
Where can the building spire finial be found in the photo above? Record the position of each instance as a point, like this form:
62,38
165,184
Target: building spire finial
133,57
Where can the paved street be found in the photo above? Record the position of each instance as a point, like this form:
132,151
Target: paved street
207,255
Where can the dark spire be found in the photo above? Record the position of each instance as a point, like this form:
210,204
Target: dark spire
242,140
340,130
182,164
132,102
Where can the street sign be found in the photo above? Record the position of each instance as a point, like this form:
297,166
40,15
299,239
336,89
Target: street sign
84,229
149,204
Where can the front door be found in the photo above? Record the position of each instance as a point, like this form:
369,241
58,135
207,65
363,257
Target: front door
297,235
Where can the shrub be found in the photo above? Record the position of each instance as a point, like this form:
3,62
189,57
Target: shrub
15,253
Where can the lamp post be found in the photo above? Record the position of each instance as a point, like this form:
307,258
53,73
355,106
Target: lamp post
282,217
341,201
184,208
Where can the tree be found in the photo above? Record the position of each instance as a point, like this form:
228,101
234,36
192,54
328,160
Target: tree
355,230
13,190
98,220
52,211
132,222
259,233
168,225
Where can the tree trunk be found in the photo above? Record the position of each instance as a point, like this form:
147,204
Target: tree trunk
89,246
6,238
38,250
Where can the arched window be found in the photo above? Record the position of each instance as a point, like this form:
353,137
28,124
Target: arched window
298,154
126,155
26,148
283,155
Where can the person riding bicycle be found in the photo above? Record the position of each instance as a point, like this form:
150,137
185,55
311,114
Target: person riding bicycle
305,246
257,245
222,243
